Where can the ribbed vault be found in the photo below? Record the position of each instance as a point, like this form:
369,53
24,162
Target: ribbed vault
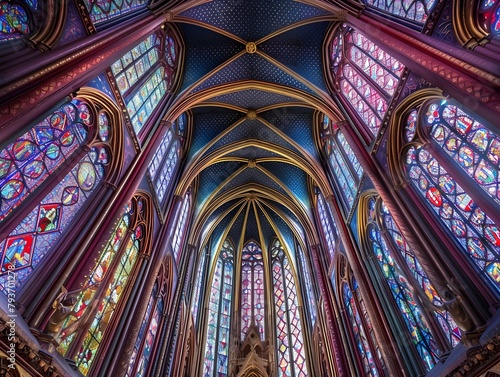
252,85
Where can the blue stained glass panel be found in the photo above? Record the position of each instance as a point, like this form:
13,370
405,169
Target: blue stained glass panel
415,321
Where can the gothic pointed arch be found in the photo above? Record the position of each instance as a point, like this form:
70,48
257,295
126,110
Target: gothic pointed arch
147,75
33,24
144,347
290,351
476,22
365,77
220,302
423,317
80,144
448,157
106,285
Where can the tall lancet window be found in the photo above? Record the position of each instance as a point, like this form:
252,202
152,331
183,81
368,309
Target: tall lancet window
397,243
400,287
104,285
180,228
290,353
164,163
197,291
367,76
219,314
144,75
311,297
343,162
358,330
252,289
417,11
329,228
457,176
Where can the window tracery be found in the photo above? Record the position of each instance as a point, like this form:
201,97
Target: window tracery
180,228
308,283
343,162
145,74
327,225
290,354
219,314
464,153
367,76
197,292
164,163
16,19
417,11
405,299
359,333
252,289
105,284
51,147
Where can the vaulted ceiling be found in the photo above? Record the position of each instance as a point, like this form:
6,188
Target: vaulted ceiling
253,80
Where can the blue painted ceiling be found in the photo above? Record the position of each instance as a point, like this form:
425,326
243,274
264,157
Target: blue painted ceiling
252,127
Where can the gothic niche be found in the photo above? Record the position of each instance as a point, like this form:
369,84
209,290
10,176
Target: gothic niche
253,360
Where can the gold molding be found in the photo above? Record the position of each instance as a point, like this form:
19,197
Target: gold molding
397,123
464,20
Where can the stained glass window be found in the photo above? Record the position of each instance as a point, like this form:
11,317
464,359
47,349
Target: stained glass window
142,331
180,228
473,150
329,229
164,163
311,297
197,292
104,10
252,289
134,64
150,339
367,76
106,282
362,344
26,163
444,318
219,315
342,160
144,75
399,286
472,146
15,21
417,11
489,16
290,354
